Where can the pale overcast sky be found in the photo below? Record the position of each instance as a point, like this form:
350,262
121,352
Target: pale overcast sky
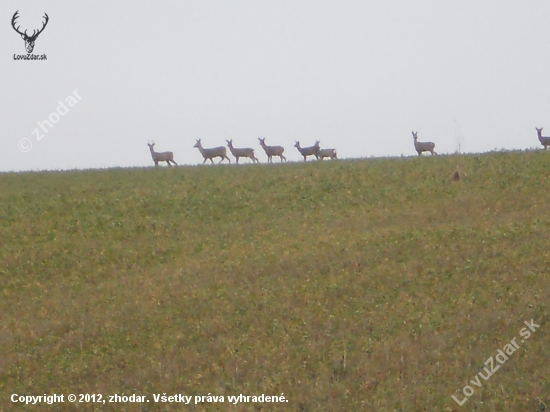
357,75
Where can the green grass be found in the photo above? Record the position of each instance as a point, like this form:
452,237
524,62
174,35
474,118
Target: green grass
263,278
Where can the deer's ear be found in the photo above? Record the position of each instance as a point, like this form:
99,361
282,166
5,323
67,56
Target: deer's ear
23,36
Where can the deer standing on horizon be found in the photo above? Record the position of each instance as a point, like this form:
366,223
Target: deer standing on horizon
544,140
308,151
423,146
161,157
212,152
330,153
272,151
242,152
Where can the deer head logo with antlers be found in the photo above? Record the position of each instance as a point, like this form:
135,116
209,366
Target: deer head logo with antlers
29,40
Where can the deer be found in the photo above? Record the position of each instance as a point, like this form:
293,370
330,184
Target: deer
161,157
330,153
242,152
212,152
29,40
308,151
272,151
423,146
544,140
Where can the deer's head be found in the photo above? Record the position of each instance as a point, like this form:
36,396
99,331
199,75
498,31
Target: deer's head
29,40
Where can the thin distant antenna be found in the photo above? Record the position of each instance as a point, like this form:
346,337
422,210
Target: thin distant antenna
458,137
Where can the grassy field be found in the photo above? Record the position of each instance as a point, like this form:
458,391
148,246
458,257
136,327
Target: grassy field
351,285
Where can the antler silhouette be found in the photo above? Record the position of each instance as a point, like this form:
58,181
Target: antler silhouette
15,16
43,26
29,40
